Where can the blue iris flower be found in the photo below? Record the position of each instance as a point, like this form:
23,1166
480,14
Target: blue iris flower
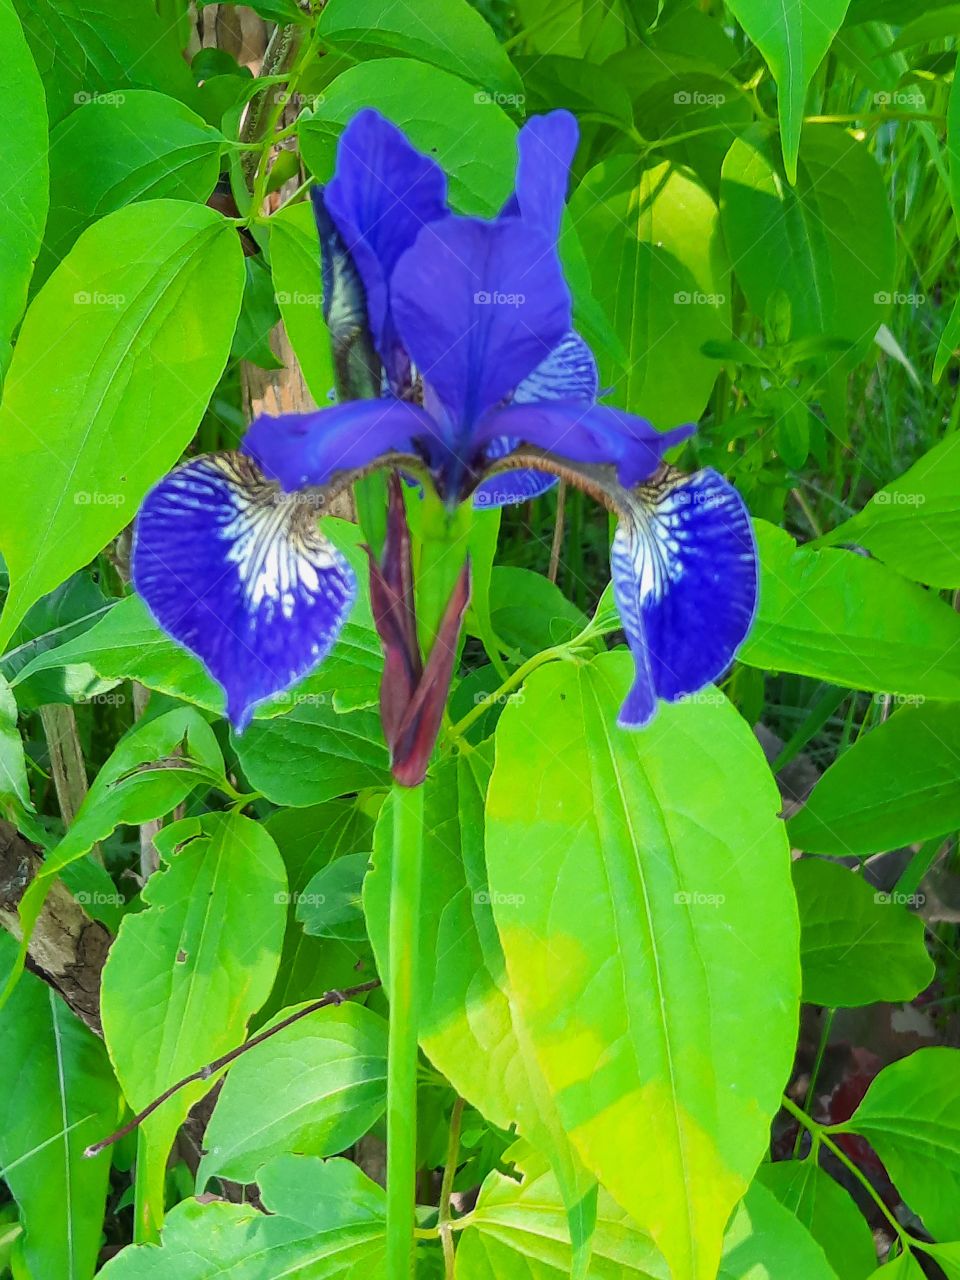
458,333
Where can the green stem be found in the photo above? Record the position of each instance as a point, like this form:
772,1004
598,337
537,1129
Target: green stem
444,1216
402,1051
512,682
821,1134
828,1017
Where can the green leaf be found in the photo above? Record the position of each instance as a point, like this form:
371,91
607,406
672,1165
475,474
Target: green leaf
309,840
949,345
837,616
660,271
528,612
473,140
913,523
827,242
13,765
25,168
765,1239
330,905
518,1231
133,328
313,1089
653,849
60,1096
126,644
314,753
905,1267
897,784
911,1117
326,1219
857,946
449,34
110,154
794,40
589,29
297,280
938,25
184,976
87,50
827,1212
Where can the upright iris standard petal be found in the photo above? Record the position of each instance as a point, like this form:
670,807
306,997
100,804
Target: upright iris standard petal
356,361
300,449
684,566
238,573
545,150
383,193
478,306
568,373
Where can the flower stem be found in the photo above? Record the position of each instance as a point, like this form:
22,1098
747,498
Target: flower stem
446,1190
402,1051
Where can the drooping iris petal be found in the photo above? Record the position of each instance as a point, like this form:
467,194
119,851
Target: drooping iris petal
545,147
586,433
685,580
238,573
478,306
383,193
568,373
299,449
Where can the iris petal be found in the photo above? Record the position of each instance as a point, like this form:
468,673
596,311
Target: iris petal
300,449
238,573
545,147
478,306
383,193
684,566
568,372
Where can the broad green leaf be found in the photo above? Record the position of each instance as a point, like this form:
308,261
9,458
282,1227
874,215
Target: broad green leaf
911,1117
449,34
948,1256
25,168
518,1231
313,1089
66,612
297,279
913,523
473,140
326,1219
185,975
938,25
857,946
309,840
314,753
826,1210
13,766
467,1023
840,617
793,38
660,271
827,242
110,154
59,1096
953,146
949,342
591,29
528,612
126,644
330,905
765,1240
897,784
905,1267
116,360
89,50
652,851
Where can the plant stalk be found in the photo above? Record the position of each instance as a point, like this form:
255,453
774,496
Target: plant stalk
405,892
